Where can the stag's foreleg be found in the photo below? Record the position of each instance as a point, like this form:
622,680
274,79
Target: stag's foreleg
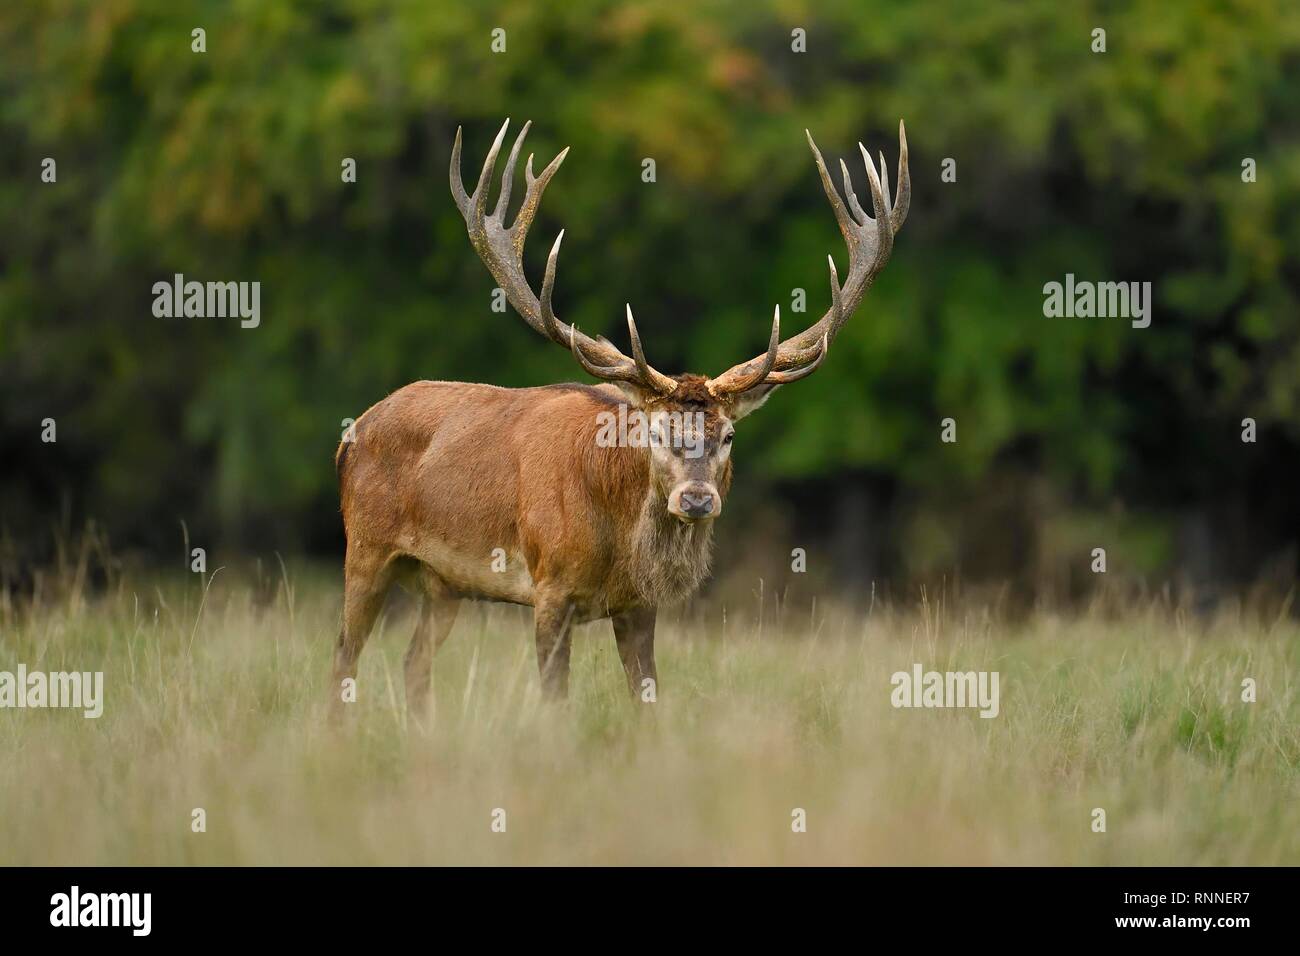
553,617
634,632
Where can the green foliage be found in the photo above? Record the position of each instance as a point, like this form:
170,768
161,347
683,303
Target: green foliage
225,165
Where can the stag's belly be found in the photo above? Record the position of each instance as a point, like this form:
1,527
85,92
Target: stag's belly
463,576
495,575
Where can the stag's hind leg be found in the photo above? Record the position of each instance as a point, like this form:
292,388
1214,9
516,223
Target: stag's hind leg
437,615
368,574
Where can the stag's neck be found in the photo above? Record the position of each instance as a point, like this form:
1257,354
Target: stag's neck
670,559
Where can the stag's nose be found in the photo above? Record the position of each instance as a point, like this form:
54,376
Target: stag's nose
697,505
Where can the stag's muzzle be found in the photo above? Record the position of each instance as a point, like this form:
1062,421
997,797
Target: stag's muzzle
695,501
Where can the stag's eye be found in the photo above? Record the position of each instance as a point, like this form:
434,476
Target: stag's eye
726,439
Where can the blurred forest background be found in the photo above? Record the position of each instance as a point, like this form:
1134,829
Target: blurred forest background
1072,433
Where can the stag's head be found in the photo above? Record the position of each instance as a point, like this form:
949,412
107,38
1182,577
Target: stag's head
689,433
690,419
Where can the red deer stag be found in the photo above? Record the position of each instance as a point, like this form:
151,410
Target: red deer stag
510,494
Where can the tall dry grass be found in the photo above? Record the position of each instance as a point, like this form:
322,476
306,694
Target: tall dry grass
215,693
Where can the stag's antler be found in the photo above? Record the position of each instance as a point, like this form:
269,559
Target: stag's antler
870,240
501,248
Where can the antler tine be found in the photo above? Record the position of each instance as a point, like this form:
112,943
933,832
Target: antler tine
478,201
508,175
884,179
870,240
600,371
903,194
662,383
785,378
744,377
501,248
533,198
837,302
841,214
457,185
884,228
549,322
858,212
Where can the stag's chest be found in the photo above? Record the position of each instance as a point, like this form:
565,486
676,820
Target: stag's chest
670,561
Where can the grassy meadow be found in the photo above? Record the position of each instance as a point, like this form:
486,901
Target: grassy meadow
215,698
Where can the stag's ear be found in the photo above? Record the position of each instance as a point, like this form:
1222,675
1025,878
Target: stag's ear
751,400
